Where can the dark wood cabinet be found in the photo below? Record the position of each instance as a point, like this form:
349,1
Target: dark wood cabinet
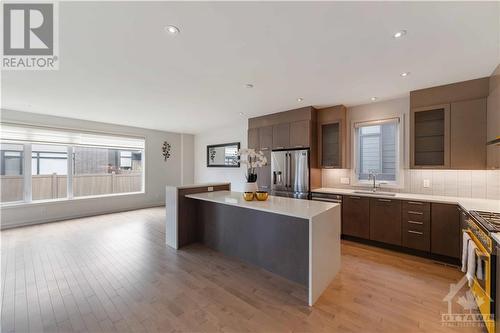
468,134
356,216
416,225
264,173
330,138
445,230
385,220
281,136
332,151
430,137
266,138
253,138
300,134
448,126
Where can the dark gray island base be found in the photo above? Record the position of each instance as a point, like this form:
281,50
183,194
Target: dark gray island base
277,243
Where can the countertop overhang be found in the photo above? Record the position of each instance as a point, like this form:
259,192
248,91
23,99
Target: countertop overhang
300,208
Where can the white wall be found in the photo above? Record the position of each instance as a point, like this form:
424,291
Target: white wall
236,132
158,173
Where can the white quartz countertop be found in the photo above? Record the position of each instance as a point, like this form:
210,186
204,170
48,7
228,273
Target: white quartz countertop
305,209
468,204
199,185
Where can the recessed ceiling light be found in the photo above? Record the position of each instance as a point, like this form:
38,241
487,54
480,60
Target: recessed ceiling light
300,99
399,34
405,74
249,85
172,29
242,114
373,99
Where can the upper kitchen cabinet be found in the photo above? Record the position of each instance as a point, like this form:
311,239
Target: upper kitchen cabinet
468,135
265,138
430,136
281,136
331,137
448,126
293,129
253,138
300,134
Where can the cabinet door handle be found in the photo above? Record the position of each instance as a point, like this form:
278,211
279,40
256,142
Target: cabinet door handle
414,212
354,197
384,200
299,146
415,203
264,148
279,147
415,232
415,222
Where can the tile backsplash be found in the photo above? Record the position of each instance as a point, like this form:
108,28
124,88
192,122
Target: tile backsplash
484,184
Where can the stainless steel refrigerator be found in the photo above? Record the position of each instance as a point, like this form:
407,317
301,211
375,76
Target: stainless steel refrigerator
290,173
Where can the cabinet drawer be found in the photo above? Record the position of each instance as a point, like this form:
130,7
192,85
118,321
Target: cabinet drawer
416,206
416,225
415,238
417,215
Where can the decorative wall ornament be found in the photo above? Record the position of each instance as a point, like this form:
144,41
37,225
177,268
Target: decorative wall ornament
166,150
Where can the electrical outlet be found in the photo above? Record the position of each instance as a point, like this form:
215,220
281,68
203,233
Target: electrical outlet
210,189
345,180
427,183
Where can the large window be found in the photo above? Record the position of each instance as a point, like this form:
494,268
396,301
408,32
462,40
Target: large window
377,150
11,172
105,171
67,164
49,172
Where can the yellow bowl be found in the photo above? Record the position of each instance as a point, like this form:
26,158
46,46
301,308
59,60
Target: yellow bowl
248,196
261,195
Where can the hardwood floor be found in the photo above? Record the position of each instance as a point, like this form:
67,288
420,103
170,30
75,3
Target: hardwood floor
114,273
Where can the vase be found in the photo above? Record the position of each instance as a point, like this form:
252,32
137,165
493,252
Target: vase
251,187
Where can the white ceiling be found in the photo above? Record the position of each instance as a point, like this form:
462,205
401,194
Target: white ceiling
118,65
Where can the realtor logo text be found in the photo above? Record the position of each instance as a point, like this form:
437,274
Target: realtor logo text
30,36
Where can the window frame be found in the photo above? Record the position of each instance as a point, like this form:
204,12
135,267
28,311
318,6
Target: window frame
27,175
399,135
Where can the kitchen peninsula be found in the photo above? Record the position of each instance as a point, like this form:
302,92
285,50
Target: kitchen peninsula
296,239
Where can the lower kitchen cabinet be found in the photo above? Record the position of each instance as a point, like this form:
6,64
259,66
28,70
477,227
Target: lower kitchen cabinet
385,220
445,230
356,216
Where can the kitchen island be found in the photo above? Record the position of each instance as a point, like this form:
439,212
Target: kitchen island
296,239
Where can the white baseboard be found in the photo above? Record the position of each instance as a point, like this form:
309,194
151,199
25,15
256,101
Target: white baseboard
76,216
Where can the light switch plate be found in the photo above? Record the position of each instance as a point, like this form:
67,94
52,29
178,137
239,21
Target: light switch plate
345,180
210,189
427,183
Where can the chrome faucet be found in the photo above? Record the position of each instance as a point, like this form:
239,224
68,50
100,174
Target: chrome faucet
373,176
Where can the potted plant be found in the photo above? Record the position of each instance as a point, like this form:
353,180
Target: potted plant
252,160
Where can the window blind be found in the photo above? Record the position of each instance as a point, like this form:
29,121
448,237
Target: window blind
14,132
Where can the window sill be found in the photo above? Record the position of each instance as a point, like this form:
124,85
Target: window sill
57,201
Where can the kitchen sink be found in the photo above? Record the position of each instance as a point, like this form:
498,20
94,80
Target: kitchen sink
387,194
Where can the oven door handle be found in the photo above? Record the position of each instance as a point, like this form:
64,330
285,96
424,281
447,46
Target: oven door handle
482,255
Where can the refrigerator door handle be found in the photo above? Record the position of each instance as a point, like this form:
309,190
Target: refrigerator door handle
290,170
285,176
